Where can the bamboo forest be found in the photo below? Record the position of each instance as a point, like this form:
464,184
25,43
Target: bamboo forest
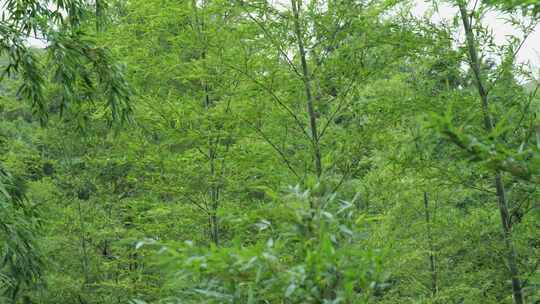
270,151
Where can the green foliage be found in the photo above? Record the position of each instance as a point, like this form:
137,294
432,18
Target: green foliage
404,194
59,25
311,255
20,259
523,163
531,6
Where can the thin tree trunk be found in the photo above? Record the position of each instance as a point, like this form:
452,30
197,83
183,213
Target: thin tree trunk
306,78
84,258
214,187
213,192
432,267
475,63
214,198
99,15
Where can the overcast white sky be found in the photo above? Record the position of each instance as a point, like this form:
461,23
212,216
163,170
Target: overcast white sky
530,52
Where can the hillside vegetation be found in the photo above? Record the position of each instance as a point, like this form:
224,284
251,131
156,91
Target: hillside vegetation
232,151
